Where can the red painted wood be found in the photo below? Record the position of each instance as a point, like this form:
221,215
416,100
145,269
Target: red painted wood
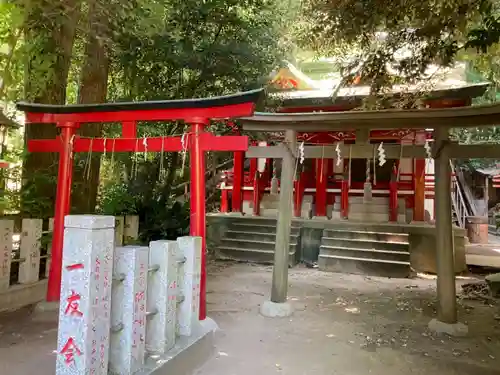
253,170
256,194
188,115
62,207
299,194
419,189
393,201
224,201
209,142
321,186
129,129
197,202
238,160
344,198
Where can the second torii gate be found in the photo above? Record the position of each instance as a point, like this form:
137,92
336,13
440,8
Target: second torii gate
195,112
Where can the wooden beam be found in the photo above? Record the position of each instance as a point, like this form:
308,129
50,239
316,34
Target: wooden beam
329,152
473,116
272,152
359,151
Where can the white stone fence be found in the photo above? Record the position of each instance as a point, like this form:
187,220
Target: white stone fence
123,309
25,257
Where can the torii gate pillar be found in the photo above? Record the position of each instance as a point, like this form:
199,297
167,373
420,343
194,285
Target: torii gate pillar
446,321
278,306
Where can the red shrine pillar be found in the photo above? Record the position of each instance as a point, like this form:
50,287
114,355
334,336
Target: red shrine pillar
238,165
321,184
63,204
419,190
197,202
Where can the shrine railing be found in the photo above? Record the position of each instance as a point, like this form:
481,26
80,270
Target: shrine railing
459,204
25,256
123,309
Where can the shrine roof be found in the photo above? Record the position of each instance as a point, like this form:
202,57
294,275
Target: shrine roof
442,90
484,115
218,101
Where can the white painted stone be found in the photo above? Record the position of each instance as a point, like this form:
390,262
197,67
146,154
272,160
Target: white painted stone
31,236
189,308
84,313
162,296
128,310
119,230
6,231
131,230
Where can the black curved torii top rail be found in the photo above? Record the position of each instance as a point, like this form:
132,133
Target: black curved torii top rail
236,105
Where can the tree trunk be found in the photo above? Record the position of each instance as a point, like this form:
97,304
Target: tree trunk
50,30
93,89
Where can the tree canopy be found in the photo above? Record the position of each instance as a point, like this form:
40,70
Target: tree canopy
405,35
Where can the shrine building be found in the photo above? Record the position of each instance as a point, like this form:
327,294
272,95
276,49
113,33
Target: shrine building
362,200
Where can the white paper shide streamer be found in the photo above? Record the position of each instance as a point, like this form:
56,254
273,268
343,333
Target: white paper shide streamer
381,154
428,149
301,153
339,154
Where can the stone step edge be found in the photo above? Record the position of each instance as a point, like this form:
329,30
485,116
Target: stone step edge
377,251
251,250
261,225
365,240
258,233
365,232
253,241
365,259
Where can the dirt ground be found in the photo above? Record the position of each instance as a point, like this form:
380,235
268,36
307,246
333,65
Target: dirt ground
343,324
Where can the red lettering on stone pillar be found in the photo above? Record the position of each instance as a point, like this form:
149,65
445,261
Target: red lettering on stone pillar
69,350
73,304
73,267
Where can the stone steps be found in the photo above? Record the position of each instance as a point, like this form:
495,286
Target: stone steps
254,240
364,252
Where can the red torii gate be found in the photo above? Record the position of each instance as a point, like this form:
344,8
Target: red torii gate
195,112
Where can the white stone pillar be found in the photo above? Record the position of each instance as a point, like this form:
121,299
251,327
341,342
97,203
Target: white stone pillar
119,230
128,312
131,229
31,243
84,313
6,231
189,308
162,296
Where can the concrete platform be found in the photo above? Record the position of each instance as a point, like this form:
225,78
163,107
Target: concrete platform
21,295
188,354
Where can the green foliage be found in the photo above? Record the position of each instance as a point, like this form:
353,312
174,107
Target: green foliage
405,36
158,49
174,49
116,199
